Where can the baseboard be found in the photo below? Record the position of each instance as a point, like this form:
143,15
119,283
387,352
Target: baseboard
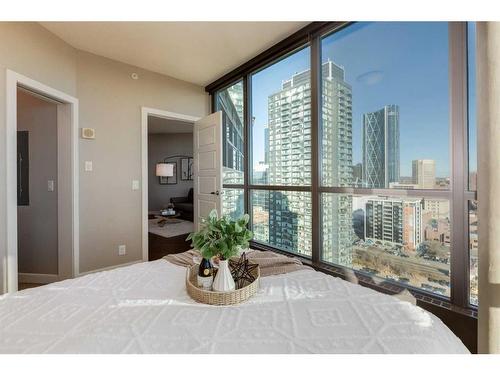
110,267
37,278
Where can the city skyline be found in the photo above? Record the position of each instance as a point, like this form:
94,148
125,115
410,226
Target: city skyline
405,239
424,173
400,238
423,105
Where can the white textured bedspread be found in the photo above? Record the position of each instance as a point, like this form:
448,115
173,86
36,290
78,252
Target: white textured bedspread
144,308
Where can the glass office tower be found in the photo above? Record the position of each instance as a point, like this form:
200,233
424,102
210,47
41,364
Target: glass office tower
381,147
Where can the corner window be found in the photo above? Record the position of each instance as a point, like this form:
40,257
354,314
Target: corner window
381,191
230,102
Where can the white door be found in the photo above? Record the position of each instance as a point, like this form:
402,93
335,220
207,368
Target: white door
207,155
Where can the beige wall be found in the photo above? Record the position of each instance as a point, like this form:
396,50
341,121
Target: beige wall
110,102
29,49
159,147
37,222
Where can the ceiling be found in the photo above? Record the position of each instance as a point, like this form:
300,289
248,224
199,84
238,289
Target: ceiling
159,125
196,52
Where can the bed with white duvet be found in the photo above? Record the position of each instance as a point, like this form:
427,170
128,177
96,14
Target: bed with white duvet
144,308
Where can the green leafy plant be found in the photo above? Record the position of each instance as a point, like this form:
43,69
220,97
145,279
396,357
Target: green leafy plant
221,237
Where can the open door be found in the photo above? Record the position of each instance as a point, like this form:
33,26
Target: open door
207,155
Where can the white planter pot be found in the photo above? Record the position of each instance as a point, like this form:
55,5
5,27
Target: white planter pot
223,281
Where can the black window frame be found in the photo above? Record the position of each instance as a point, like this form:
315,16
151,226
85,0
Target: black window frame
459,193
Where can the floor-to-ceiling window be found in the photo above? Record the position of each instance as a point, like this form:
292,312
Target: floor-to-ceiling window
354,153
385,129
231,103
281,154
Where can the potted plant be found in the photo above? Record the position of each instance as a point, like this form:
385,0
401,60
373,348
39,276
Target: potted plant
222,238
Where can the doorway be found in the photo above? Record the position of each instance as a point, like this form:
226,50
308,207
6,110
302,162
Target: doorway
37,225
170,185
206,166
42,184
167,182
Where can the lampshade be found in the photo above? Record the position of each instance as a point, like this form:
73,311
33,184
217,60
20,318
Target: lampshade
164,170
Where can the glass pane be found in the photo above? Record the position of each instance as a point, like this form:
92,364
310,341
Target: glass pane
281,126
471,57
385,112
473,253
230,102
401,239
233,203
282,219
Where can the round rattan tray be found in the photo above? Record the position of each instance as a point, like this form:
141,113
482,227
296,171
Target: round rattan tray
219,298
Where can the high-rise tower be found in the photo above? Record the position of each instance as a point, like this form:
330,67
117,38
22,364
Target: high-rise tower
381,147
289,129
424,173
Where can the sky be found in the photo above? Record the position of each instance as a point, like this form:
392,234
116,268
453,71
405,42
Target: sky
385,63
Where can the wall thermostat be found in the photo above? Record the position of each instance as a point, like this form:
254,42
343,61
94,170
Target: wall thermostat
134,76
88,133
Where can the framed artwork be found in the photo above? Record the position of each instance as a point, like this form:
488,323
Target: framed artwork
169,180
186,169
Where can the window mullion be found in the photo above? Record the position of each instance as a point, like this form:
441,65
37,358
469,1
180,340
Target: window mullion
315,147
247,98
459,260
417,193
281,187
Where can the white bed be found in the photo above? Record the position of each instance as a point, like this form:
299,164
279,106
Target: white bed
144,308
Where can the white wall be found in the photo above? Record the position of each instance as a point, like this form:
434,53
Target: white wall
110,102
159,147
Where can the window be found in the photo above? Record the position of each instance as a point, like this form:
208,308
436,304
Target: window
398,238
233,202
281,122
350,157
283,219
472,183
473,249
385,127
385,112
230,102
281,153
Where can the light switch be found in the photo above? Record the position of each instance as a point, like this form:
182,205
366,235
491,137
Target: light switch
88,166
50,185
122,250
135,185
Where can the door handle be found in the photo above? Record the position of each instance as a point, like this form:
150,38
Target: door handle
215,192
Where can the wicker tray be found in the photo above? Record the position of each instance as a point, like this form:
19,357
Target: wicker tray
219,298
